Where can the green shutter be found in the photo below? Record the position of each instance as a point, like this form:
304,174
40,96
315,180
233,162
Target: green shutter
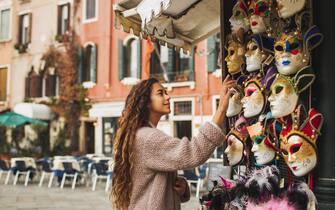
80,66
121,59
93,62
139,59
211,54
191,62
171,66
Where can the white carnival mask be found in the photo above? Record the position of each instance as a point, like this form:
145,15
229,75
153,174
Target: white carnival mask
287,8
259,10
254,56
289,54
253,100
283,99
264,151
239,19
234,105
298,145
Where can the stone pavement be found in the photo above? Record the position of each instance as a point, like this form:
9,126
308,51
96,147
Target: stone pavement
33,197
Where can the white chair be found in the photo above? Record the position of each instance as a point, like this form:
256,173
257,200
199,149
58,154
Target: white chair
100,172
4,169
69,172
21,169
46,171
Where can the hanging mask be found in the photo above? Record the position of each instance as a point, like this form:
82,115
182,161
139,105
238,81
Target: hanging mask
264,151
259,13
292,51
287,8
235,57
298,145
239,19
235,142
257,50
285,91
235,104
255,94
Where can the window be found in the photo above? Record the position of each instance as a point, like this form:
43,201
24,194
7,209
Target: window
63,19
4,24
90,64
171,65
182,108
33,85
43,84
3,84
213,50
130,59
25,22
90,10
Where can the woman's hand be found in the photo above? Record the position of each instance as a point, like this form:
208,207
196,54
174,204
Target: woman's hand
225,94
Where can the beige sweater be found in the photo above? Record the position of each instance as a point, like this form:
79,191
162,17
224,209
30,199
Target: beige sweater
158,156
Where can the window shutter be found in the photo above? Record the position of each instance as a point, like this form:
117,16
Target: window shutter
80,66
50,85
191,62
36,86
68,16
93,64
212,54
27,87
20,29
139,59
59,20
171,66
30,27
121,57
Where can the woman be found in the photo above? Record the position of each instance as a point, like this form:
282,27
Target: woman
146,159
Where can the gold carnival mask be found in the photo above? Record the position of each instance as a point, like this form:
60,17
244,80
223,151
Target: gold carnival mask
235,58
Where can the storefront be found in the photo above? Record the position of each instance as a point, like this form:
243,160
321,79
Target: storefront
275,33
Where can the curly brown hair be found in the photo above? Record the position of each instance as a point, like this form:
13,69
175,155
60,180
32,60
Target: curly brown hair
134,116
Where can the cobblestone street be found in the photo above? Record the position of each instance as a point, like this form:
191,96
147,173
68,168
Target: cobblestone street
33,197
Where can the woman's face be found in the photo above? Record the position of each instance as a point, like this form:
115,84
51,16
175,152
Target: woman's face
159,100
258,11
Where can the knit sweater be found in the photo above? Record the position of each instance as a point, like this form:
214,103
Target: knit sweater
158,156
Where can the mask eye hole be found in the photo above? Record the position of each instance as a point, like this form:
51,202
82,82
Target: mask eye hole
279,48
284,152
295,148
278,89
230,142
258,139
253,48
262,8
231,52
237,13
251,11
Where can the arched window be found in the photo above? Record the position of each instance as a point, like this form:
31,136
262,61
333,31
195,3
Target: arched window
130,58
89,73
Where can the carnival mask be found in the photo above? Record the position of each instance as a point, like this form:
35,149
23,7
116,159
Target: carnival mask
234,150
235,142
285,91
289,54
287,8
283,98
298,146
259,10
253,100
239,19
264,151
254,56
234,105
235,57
